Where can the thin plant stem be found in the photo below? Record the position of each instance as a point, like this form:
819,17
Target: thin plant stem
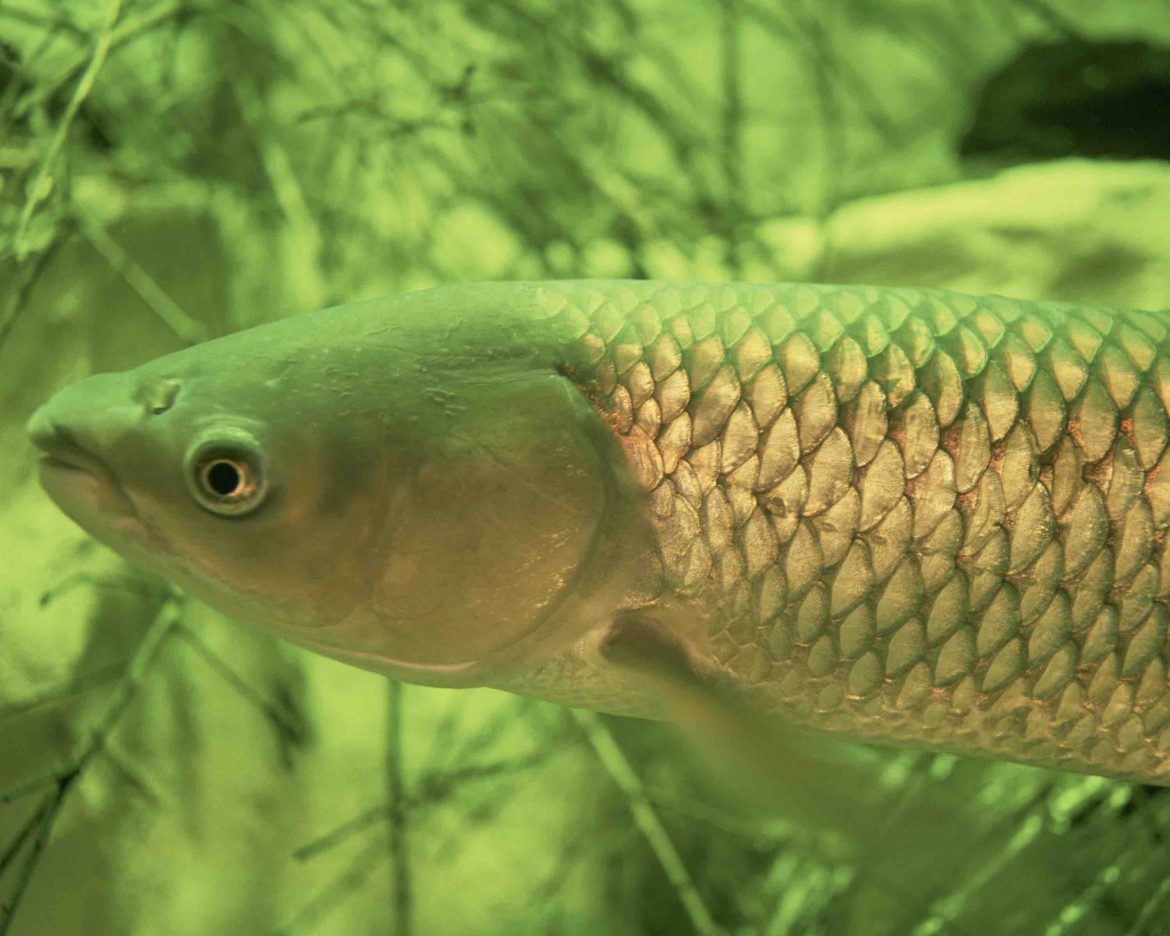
35,191
165,309
614,760
398,831
64,780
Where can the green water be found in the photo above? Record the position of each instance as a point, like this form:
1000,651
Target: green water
173,170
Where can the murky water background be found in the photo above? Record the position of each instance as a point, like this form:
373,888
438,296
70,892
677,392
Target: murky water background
172,170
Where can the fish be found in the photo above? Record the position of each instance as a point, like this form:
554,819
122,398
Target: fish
903,516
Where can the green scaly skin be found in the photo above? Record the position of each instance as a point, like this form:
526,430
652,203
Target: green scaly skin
911,516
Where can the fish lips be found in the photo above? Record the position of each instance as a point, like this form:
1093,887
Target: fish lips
81,484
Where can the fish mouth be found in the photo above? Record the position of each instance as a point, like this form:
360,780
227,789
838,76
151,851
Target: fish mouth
75,477
60,452
72,458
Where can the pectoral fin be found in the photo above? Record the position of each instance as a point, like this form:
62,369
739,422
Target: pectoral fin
765,762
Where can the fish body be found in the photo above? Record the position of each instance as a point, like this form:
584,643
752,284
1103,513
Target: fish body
904,516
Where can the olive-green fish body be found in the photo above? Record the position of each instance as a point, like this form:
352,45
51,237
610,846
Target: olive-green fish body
907,516
914,516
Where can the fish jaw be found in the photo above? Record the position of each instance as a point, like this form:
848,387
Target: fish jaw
80,483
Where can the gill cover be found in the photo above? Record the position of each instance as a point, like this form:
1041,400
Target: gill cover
491,528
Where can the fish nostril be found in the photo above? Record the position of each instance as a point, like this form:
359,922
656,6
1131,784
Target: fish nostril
163,396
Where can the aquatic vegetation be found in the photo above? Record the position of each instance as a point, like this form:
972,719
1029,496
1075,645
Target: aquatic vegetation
179,170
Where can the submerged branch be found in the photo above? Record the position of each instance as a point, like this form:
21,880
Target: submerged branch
42,20
120,36
434,788
731,148
22,835
165,309
286,727
27,275
64,780
356,873
613,759
37,189
399,851
45,818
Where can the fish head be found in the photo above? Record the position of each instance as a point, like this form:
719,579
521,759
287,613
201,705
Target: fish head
352,487
224,471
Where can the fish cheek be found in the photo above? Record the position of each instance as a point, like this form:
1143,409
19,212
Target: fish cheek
298,561
489,532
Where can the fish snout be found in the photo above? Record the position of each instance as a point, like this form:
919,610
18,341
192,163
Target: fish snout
86,419
42,431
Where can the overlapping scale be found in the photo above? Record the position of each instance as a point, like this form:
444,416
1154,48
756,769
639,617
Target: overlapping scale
912,516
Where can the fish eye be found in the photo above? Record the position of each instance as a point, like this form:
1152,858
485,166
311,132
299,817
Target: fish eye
226,474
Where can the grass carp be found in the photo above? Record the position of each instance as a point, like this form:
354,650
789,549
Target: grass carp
907,516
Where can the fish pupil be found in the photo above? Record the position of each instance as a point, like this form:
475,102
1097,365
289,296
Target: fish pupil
223,478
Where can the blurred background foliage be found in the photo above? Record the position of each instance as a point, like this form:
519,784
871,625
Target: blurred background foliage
176,169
